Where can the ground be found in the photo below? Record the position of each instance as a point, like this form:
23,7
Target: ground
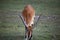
12,28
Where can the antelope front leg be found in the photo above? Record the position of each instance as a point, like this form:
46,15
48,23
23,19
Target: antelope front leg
28,33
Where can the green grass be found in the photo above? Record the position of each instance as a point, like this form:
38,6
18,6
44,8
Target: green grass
12,28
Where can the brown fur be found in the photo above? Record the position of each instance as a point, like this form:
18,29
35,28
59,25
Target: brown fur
28,14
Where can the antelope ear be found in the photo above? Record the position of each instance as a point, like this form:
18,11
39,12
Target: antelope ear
36,19
23,20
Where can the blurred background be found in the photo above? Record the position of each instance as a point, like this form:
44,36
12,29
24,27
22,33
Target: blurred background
12,28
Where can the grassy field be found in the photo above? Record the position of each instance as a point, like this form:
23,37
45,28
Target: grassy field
12,28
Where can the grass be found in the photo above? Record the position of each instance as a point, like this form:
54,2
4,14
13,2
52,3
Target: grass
12,28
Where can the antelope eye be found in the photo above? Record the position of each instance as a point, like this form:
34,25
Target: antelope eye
32,24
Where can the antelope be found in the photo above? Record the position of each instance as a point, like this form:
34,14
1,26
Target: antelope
28,14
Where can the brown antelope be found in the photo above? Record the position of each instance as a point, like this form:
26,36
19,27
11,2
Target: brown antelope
28,15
